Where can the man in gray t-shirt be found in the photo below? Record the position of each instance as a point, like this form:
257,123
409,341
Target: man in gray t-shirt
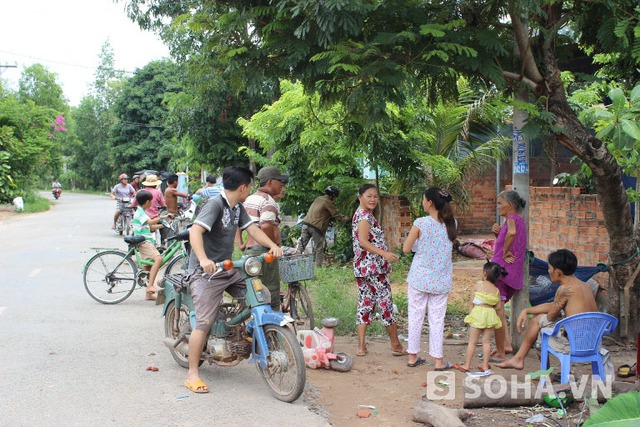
212,236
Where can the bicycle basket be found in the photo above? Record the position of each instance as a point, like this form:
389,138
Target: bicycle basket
295,268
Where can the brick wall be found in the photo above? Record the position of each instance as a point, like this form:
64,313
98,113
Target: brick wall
561,217
480,215
396,220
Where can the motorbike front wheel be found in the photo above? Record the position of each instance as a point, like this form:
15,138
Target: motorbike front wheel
110,277
127,226
285,372
170,331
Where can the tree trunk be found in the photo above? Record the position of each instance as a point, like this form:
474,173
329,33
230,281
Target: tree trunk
612,195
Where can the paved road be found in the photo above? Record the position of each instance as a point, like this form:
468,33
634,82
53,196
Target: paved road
67,360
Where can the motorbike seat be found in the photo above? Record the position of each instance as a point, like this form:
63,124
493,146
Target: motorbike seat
134,240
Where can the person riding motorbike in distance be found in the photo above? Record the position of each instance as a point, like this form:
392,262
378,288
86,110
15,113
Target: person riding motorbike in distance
119,192
56,187
212,238
316,222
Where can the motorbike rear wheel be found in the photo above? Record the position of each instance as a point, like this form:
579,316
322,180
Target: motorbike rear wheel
300,306
170,332
285,372
110,277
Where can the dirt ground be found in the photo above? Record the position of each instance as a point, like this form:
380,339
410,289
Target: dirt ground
385,382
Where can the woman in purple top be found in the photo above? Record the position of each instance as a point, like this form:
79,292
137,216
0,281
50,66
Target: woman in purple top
509,252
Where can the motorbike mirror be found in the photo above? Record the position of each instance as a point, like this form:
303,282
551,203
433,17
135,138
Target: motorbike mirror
227,264
268,257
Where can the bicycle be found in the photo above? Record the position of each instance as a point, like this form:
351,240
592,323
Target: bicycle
124,224
111,275
294,270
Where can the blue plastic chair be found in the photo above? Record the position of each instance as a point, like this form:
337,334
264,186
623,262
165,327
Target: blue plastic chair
584,332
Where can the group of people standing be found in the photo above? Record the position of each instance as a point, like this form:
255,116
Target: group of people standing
430,277
223,219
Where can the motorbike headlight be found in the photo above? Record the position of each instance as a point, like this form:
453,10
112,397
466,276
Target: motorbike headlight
252,266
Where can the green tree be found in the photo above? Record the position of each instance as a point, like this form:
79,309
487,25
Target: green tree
39,85
365,54
93,161
140,139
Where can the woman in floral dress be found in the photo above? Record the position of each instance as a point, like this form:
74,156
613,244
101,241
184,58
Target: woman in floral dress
430,277
371,268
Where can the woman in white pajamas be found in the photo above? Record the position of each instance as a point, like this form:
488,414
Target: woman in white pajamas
430,276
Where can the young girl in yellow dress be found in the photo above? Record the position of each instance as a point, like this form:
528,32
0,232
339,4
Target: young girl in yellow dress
483,318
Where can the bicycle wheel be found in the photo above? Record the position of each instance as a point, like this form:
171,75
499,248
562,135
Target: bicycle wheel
177,264
109,277
285,372
300,306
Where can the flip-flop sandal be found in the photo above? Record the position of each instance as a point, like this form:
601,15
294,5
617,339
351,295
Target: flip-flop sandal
626,371
445,368
461,368
150,296
419,361
492,360
197,386
399,353
361,353
481,369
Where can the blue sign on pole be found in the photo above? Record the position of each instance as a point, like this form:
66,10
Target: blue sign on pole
520,165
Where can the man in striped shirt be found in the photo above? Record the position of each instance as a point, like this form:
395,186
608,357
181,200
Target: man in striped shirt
264,210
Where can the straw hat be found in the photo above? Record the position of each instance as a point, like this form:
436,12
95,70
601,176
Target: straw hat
152,181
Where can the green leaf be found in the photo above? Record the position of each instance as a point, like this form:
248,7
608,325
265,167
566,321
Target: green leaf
631,129
621,411
617,97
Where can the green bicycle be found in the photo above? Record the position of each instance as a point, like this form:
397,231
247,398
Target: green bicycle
111,275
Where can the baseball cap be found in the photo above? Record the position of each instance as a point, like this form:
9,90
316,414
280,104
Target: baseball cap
271,172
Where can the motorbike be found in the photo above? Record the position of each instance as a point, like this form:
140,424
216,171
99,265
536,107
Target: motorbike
56,192
318,347
246,328
126,217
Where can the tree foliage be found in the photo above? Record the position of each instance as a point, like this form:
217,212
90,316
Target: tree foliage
139,139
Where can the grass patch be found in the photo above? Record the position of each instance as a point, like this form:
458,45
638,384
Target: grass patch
34,203
334,294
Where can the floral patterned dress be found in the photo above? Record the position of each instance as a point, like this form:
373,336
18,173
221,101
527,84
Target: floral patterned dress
374,288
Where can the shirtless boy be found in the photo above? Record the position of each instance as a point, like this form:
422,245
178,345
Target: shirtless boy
573,297
171,195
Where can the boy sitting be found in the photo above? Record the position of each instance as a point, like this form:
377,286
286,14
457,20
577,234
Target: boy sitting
143,226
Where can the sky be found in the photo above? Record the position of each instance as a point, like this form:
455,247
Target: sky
66,36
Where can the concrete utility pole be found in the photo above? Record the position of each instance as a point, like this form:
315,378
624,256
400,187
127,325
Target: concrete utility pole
520,160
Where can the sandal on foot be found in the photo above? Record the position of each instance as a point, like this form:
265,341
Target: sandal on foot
150,296
446,367
419,361
481,369
402,352
461,368
626,371
198,386
361,352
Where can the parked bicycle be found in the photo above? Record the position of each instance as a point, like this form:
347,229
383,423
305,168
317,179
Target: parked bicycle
111,275
124,224
294,270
